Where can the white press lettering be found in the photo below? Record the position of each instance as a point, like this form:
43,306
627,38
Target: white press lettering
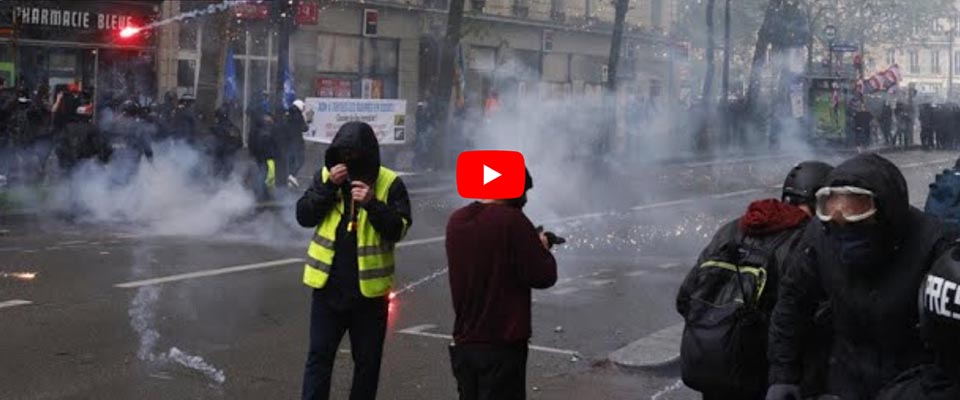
44,15
945,297
35,16
55,17
932,292
100,24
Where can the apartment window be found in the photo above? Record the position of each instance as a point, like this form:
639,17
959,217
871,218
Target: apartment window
656,13
935,61
891,56
955,28
914,62
188,56
956,62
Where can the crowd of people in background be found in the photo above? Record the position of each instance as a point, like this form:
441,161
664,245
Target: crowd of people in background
45,137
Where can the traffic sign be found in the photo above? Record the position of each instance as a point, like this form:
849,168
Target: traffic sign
845,48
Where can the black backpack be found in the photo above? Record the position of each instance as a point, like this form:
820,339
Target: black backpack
723,348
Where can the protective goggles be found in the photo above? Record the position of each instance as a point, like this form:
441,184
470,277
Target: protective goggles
851,203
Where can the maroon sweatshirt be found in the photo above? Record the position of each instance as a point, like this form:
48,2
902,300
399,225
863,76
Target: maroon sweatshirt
495,257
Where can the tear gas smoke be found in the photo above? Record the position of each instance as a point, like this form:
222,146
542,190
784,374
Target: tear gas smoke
169,196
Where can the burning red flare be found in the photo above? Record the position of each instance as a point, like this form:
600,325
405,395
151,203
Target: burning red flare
392,296
129,32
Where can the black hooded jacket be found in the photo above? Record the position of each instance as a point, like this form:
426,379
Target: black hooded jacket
387,218
875,316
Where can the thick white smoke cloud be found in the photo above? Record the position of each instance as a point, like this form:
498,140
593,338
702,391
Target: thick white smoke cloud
172,195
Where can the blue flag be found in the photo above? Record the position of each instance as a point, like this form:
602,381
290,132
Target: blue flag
231,93
289,93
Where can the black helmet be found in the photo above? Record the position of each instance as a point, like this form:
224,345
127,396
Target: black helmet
129,107
803,182
940,309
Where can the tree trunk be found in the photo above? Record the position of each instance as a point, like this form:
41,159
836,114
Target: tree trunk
613,68
760,54
711,55
445,84
725,92
702,141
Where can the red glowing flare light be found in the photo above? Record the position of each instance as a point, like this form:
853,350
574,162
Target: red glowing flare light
129,32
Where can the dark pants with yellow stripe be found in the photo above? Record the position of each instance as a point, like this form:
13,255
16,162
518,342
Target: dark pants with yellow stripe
332,316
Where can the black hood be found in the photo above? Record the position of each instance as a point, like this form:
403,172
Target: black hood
883,178
359,138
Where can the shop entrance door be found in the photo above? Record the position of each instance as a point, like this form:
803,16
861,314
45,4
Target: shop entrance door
57,67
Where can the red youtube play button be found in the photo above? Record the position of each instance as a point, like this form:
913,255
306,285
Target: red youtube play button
490,174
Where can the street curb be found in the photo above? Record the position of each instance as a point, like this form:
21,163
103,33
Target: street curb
658,350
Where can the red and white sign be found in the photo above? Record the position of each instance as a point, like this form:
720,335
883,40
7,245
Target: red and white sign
307,13
371,22
491,174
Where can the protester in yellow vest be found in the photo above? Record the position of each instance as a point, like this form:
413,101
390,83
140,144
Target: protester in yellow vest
360,210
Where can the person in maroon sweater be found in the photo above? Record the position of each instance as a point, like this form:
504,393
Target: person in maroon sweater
496,257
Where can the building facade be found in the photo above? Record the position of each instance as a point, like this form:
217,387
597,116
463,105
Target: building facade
51,44
925,64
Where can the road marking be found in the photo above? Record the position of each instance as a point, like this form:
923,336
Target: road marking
210,272
635,274
418,242
735,194
565,291
419,330
661,205
672,387
599,282
735,161
925,163
668,265
14,303
438,189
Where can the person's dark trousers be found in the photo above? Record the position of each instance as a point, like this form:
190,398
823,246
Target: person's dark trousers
490,372
366,321
296,160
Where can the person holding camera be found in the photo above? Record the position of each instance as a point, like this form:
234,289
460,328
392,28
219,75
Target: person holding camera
360,210
495,257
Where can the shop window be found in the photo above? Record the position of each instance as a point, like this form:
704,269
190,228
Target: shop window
482,58
586,68
261,39
338,54
556,67
186,73
380,56
189,35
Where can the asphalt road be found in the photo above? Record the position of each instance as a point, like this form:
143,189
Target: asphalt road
117,311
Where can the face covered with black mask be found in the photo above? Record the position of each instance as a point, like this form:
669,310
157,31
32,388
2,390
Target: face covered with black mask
861,246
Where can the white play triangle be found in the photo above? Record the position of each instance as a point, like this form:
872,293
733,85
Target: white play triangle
489,174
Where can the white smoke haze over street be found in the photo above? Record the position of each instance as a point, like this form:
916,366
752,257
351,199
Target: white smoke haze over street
172,195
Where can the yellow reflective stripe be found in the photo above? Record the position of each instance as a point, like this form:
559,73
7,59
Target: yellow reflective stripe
314,277
374,250
760,273
378,273
317,252
322,241
271,172
319,265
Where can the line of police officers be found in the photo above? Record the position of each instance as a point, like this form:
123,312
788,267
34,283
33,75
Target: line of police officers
121,132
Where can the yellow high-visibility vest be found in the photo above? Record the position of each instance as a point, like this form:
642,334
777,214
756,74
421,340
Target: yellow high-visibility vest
375,258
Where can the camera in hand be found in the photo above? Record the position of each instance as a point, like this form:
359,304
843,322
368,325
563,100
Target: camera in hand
552,238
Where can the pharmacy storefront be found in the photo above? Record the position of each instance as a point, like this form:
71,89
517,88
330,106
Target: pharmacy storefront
58,43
